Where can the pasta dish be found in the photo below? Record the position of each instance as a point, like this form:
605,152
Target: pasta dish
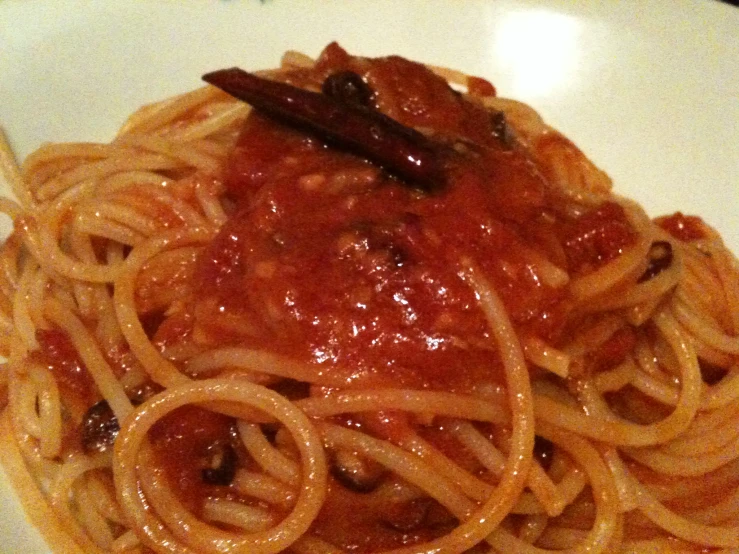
360,305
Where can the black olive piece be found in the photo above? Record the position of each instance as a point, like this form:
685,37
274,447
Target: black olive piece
348,87
543,452
500,128
221,462
99,428
660,258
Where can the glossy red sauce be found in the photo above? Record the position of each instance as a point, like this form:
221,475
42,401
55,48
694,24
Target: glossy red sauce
683,227
615,350
57,352
357,522
328,260
181,442
480,87
76,386
597,237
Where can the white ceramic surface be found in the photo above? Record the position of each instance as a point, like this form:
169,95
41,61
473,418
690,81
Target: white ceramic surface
649,89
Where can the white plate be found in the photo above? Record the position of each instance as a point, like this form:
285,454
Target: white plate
648,89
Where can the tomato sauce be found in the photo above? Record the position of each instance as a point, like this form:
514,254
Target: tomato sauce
329,260
357,522
683,227
480,87
57,352
614,351
597,237
182,441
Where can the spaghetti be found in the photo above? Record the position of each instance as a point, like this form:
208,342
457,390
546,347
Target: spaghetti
224,335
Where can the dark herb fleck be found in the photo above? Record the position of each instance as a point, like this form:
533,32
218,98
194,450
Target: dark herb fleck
99,428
